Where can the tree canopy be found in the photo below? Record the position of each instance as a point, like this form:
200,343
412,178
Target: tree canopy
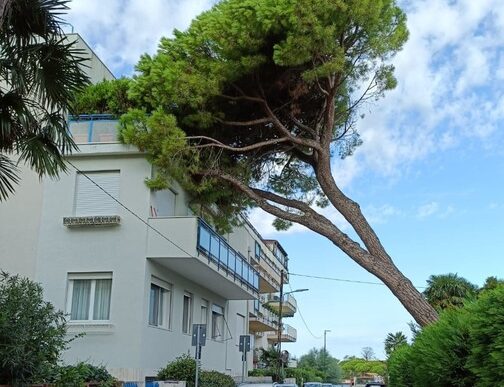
447,291
40,72
393,341
248,106
32,332
321,361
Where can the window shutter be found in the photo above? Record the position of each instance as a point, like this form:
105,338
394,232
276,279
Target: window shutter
91,200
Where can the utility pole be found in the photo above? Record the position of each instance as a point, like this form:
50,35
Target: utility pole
280,328
325,348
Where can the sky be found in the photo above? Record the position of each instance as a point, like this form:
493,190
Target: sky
429,175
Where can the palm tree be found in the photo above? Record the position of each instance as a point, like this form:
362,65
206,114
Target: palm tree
40,72
394,341
447,291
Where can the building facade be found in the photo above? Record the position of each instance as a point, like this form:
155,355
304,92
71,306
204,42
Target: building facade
133,268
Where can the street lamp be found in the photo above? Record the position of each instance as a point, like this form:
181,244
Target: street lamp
280,363
325,350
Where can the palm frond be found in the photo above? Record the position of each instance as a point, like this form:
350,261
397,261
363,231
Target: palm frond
8,177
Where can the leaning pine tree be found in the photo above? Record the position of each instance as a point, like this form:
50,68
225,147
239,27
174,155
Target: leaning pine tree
248,106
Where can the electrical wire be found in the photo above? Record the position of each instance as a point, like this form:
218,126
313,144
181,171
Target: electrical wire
345,280
131,211
304,321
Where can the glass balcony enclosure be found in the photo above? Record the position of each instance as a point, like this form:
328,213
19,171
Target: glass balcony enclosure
93,128
216,248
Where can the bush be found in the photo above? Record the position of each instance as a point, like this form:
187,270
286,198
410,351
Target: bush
486,332
109,97
465,347
81,373
184,368
215,379
32,332
400,367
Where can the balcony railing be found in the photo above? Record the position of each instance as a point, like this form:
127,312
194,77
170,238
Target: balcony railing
288,335
217,249
289,303
93,128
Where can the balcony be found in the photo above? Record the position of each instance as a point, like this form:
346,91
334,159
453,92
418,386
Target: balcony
288,335
289,304
262,320
201,255
94,128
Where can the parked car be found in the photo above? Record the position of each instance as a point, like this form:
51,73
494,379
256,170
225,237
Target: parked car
376,384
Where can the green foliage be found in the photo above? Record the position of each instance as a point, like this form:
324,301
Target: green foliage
464,348
486,332
491,283
303,374
393,341
400,367
245,73
448,291
216,379
354,367
40,72
184,368
32,331
80,374
321,364
106,97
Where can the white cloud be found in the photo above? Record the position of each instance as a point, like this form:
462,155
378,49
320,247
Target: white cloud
122,30
427,210
449,87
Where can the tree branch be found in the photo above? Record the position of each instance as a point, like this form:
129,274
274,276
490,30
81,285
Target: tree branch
217,144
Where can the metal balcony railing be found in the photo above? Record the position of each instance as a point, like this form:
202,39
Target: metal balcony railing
93,128
216,248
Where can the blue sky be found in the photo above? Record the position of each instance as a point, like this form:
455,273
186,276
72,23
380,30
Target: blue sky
429,176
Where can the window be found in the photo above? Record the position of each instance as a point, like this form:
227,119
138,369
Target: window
204,312
90,200
163,203
89,296
258,251
187,313
217,322
160,304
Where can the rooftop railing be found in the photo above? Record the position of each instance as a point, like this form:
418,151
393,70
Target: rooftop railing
93,128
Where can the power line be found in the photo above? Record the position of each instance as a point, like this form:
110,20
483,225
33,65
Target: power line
304,321
130,211
345,280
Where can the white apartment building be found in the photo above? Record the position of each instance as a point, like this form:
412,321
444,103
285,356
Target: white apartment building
134,269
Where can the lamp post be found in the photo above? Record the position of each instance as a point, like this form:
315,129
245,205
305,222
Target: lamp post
279,333
325,348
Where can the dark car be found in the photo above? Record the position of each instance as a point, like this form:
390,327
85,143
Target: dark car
376,384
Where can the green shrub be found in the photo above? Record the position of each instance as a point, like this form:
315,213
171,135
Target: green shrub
109,97
184,368
486,332
82,373
400,367
303,375
32,332
215,379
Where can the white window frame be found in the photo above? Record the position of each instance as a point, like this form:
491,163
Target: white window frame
205,304
219,311
187,329
91,277
167,303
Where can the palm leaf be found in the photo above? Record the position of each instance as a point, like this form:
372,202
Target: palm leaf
8,177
